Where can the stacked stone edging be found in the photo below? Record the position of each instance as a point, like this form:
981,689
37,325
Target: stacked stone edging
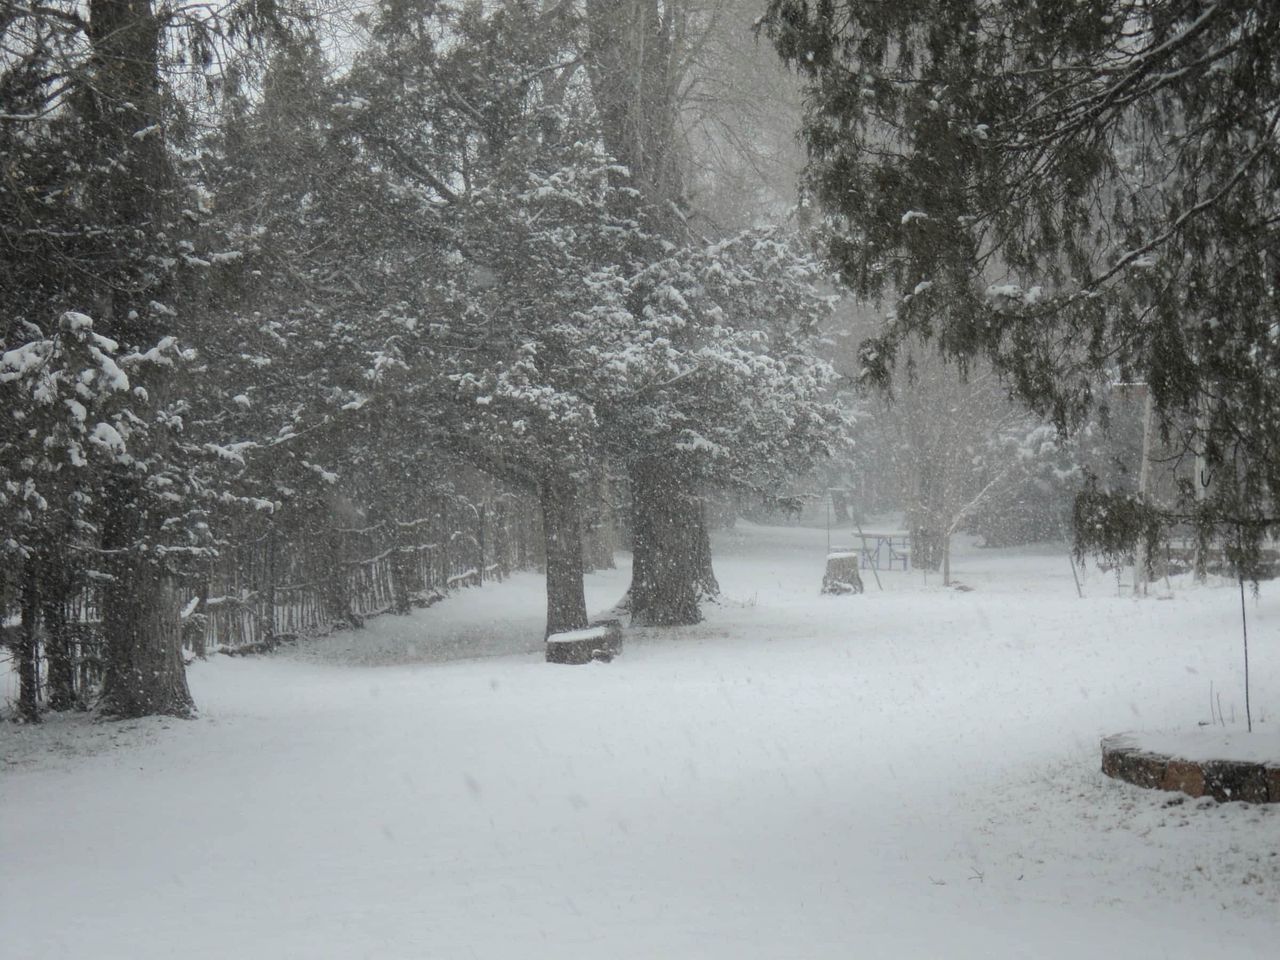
1224,780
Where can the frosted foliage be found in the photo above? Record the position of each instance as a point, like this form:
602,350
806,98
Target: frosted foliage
68,399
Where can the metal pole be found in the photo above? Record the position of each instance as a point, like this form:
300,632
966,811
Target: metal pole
1244,629
1141,560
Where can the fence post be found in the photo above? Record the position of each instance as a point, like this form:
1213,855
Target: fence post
267,602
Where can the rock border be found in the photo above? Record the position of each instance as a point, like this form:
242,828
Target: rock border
1224,780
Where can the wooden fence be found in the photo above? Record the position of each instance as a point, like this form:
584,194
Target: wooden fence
267,588
264,590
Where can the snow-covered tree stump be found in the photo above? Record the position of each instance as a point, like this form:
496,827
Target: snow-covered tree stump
842,574
1148,762
600,641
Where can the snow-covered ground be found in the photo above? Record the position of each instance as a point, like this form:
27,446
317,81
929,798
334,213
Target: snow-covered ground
908,773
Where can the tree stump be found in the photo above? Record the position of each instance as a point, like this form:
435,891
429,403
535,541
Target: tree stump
842,574
601,641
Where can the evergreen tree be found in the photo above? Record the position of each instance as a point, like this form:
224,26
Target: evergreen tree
566,325
726,392
1076,190
97,223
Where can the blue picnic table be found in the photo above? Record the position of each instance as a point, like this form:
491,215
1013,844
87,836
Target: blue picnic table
885,550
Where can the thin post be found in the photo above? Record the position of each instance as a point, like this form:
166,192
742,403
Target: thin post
1075,576
1141,559
1244,630
1071,560
1201,487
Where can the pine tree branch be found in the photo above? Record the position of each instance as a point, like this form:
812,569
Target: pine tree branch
1266,146
413,166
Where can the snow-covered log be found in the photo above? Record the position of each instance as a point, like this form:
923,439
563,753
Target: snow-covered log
600,641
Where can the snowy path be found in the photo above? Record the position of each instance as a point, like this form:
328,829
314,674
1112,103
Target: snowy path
911,773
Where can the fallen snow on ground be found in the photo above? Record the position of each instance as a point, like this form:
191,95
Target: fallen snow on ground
1258,746
908,773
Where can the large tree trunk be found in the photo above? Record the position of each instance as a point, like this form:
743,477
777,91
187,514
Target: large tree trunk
671,548
145,675
562,531
635,59
337,597
840,505
502,539
61,678
267,606
402,559
925,523
29,646
927,546
121,100
195,629
600,533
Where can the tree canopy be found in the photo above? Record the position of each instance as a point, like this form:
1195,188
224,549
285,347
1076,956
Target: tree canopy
1083,192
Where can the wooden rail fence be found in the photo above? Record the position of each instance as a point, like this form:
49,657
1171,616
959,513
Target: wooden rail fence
269,588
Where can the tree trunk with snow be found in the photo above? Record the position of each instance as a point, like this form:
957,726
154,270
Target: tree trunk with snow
61,671
28,650
840,506
145,674
636,57
337,582
1141,559
671,551
562,532
267,621
925,514
401,561
928,544
599,533
502,540
142,637
195,628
